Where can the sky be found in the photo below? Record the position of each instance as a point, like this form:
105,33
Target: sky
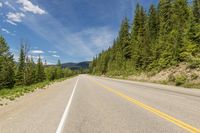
69,30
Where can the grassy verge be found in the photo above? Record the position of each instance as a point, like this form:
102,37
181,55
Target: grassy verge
17,91
178,81
192,85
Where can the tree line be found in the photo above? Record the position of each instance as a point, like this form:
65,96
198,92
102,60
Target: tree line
169,33
26,71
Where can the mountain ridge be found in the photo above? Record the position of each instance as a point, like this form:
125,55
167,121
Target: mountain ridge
75,66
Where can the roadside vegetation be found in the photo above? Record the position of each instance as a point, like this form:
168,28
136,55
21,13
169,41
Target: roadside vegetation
23,76
162,39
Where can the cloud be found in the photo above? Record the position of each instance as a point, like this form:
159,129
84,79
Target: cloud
101,39
53,52
81,45
57,56
28,6
11,22
9,5
1,4
61,38
37,51
15,17
35,58
5,30
50,63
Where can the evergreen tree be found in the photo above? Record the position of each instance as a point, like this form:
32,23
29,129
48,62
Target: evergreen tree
196,10
59,65
194,33
40,74
30,71
59,72
20,74
6,65
50,73
163,53
134,36
153,23
181,21
143,41
124,39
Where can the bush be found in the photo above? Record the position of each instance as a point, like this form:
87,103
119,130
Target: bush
151,74
194,63
194,76
180,80
171,77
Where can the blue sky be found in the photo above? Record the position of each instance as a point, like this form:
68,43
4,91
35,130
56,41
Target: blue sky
70,30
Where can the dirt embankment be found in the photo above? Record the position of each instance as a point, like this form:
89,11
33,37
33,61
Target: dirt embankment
181,74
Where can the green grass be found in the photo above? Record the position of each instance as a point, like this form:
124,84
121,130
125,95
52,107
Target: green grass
180,80
192,85
18,91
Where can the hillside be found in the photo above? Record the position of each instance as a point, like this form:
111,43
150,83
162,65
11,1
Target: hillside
75,66
158,42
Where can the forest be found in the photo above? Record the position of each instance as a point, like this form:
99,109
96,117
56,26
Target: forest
164,36
25,71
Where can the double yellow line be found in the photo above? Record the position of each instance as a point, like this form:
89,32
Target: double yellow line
153,110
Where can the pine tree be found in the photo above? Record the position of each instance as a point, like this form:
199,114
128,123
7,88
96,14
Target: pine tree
20,74
59,72
196,10
194,33
30,71
50,73
143,41
6,65
134,36
124,39
191,51
181,21
153,23
40,74
59,64
163,55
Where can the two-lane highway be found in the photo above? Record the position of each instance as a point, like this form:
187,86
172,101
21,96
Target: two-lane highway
89,104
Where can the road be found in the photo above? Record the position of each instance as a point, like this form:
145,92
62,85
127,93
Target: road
89,104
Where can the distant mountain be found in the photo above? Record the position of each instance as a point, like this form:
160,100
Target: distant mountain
76,66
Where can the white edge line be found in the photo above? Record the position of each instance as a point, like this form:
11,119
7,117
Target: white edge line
65,114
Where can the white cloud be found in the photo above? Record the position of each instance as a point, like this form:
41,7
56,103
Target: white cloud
81,45
98,40
16,57
11,22
57,56
9,5
53,52
1,4
37,51
30,7
58,37
5,30
50,63
15,17
35,58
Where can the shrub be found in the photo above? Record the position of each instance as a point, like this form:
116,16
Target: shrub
171,77
194,63
12,98
194,76
180,79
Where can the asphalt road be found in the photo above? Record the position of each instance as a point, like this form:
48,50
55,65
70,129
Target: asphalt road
88,104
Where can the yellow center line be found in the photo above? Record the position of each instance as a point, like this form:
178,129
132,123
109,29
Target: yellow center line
151,109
